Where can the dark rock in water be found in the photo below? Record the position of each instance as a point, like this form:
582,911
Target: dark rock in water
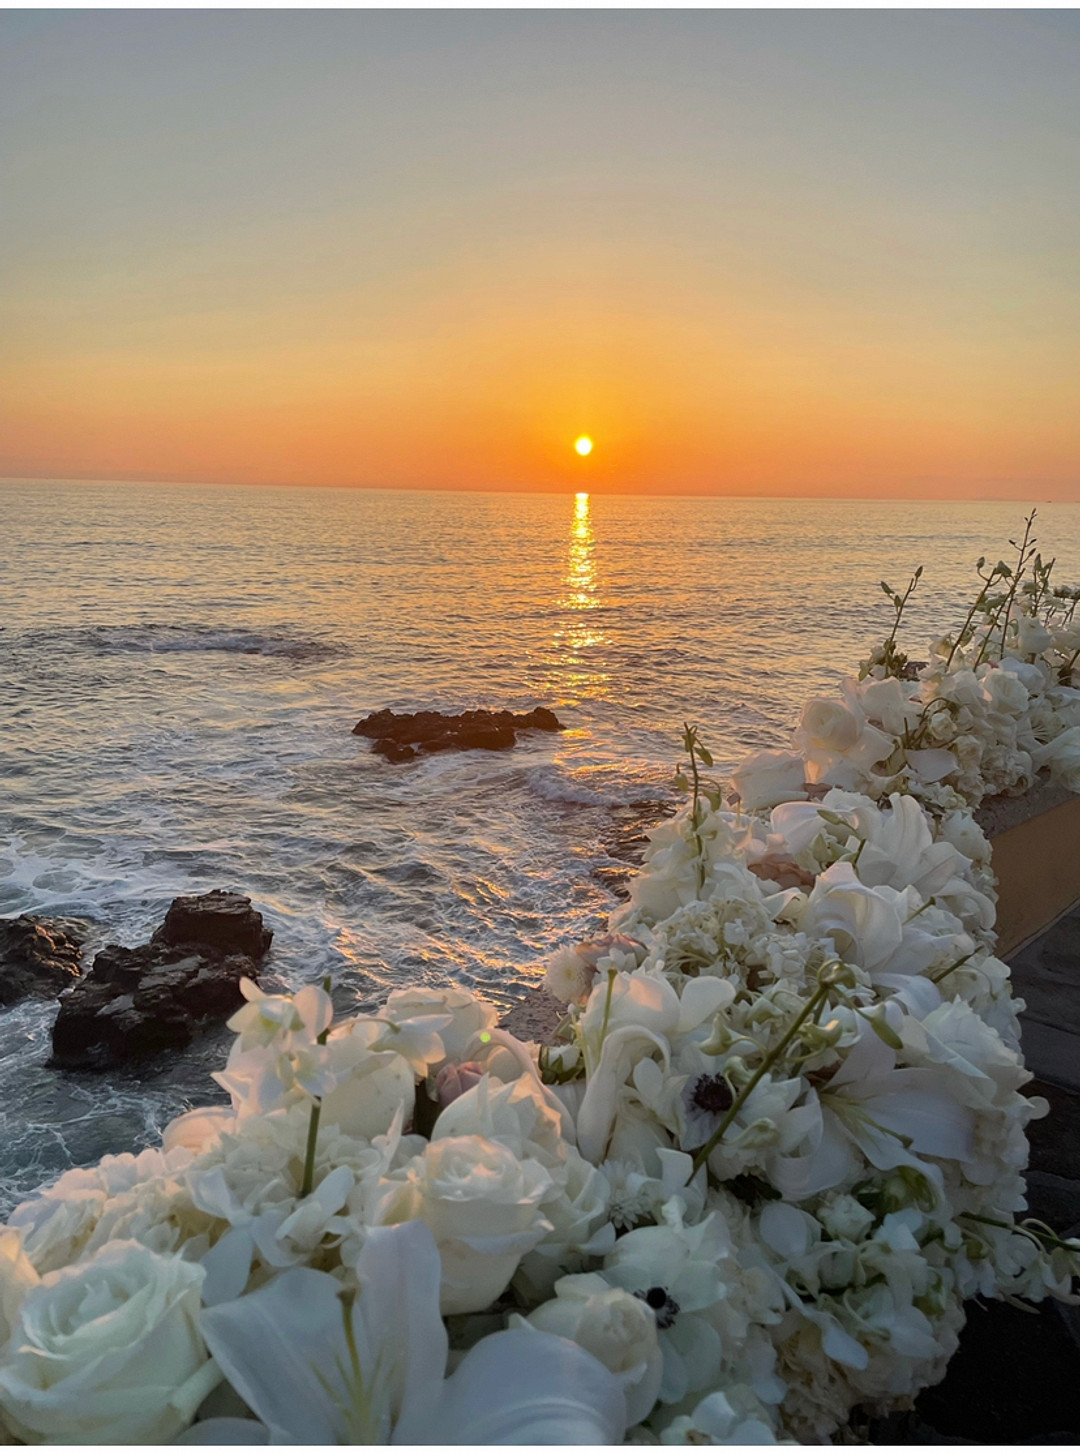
219,919
38,956
136,1002
486,738
394,751
396,737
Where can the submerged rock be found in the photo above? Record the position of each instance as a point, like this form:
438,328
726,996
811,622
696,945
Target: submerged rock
136,1002
399,737
38,956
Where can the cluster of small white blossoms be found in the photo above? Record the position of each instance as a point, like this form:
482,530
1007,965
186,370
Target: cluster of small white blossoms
778,1142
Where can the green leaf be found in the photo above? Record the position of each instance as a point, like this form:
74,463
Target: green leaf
705,755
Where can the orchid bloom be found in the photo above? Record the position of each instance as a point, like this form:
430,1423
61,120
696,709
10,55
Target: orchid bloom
316,1371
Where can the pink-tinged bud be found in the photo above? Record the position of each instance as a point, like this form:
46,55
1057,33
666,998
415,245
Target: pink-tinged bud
454,1080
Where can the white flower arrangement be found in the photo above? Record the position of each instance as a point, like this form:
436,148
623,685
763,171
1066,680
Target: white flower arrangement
779,1141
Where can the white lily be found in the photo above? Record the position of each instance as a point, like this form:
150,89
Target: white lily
892,1114
316,1371
623,1048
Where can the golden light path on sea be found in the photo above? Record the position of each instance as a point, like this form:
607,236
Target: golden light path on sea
580,632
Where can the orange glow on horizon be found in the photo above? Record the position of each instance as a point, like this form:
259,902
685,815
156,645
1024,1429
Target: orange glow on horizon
438,280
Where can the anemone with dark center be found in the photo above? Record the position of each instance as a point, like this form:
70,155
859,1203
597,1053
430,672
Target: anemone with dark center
664,1306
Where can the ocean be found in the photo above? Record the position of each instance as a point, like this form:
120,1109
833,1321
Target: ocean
181,668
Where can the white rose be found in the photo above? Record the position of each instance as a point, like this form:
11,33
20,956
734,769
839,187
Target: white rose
1062,756
517,1115
828,725
617,1328
765,779
17,1276
891,703
55,1228
469,1015
482,1205
371,1086
198,1130
108,1351
1007,694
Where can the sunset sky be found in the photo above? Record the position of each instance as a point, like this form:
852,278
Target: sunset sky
745,252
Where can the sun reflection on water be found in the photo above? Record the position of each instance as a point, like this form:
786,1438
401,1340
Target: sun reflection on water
581,633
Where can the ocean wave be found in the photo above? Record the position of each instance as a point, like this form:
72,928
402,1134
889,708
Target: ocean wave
595,787
155,638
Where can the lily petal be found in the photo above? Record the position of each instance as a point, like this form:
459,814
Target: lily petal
276,1344
521,1387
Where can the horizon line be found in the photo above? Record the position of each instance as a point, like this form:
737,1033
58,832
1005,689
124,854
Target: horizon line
569,489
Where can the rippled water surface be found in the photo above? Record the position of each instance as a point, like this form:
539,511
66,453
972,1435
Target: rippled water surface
181,667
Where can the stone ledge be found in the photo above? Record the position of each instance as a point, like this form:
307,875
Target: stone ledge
996,815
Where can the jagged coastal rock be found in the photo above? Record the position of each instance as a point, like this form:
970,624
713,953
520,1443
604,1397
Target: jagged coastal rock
221,919
136,1002
399,737
38,956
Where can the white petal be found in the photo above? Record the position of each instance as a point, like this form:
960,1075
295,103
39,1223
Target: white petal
228,1266
932,764
701,998
843,1348
622,1048
784,1228
521,1387
333,1190
397,1311
274,1346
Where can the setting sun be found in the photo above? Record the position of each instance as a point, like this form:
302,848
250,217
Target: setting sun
583,445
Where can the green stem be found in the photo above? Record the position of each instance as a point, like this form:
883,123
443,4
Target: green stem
307,1184
1020,566
1065,672
607,1006
950,968
809,1009
1045,1237
690,742
970,617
